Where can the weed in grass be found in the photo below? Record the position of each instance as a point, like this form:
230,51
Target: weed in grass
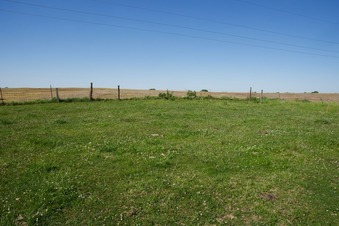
109,148
60,121
5,122
323,121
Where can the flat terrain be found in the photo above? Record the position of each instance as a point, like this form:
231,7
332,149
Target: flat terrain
163,162
31,94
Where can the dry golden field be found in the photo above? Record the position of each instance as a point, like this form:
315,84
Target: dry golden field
31,94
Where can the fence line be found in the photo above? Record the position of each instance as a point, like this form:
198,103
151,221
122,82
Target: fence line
8,95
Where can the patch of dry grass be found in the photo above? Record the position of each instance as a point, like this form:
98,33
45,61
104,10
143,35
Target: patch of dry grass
32,94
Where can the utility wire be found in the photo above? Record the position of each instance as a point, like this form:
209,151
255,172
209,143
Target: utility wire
165,32
170,25
288,12
217,22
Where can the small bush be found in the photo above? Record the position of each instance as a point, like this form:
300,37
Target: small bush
191,94
168,95
152,89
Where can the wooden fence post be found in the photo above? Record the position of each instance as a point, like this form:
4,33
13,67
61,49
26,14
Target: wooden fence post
262,96
91,92
1,97
57,94
118,92
250,93
50,87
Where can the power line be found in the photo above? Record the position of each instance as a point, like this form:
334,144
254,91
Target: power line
217,22
288,12
170,25
168,33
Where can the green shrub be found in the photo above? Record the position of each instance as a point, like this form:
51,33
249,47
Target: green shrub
191,94
168,95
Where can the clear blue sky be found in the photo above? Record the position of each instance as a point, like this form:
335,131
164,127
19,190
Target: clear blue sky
219,45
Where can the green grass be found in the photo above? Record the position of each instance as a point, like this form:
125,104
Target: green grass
148,162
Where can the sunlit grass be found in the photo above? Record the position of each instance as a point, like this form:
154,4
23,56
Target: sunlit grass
169,162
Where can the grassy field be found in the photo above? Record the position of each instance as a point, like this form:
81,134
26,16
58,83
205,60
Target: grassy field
163,162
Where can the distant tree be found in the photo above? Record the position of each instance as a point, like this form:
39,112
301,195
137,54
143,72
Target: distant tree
204,90
315,92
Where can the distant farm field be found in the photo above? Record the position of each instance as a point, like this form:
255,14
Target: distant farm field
164,162
32,94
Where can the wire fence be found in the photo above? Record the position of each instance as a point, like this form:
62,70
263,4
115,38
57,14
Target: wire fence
32,94
14,95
